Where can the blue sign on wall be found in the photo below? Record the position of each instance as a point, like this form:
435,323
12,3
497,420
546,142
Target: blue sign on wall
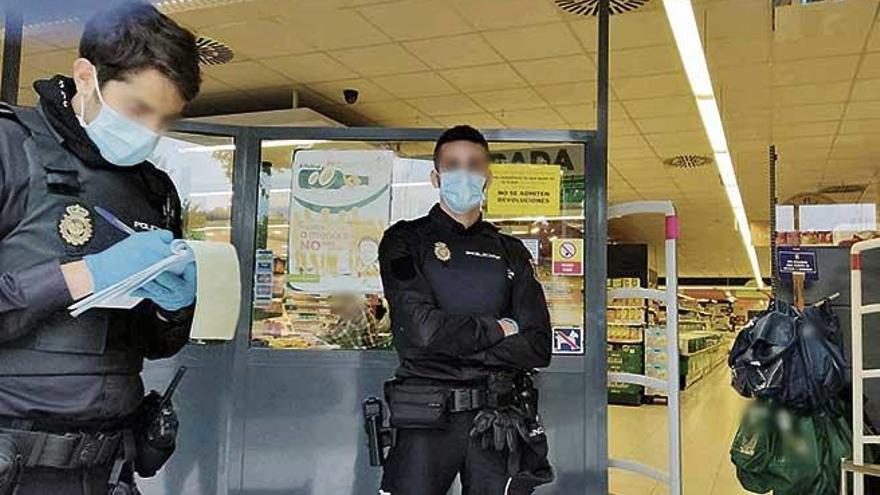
799,260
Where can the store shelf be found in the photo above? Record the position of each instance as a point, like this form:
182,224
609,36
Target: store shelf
624,307
701,351
625,341
626,324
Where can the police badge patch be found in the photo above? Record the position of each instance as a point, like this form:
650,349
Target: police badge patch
441,251
75,225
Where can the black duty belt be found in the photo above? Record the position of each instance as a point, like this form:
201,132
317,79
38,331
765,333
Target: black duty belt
50,445
67,451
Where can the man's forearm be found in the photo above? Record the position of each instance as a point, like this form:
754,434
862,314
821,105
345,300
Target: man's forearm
28,296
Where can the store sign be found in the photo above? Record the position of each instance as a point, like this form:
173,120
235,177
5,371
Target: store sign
568,257
569,158
339,206
524,190
568,340
799,261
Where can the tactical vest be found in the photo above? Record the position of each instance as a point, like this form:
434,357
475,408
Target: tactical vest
60,223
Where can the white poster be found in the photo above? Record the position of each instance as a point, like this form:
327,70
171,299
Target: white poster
339,208
412,194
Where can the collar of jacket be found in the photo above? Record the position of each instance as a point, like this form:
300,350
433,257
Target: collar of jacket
55,104
441,218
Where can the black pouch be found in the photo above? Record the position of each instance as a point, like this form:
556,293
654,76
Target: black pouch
10,464
417,406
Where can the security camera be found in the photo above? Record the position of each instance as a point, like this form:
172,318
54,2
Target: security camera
351,96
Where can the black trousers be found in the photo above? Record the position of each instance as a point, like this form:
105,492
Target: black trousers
425,462
46,481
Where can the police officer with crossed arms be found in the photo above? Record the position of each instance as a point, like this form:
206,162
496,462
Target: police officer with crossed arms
70,388
469,321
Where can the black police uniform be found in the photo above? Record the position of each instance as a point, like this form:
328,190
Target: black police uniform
62,375
447,287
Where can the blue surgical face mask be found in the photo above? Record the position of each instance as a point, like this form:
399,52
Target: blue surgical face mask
121,140
462,191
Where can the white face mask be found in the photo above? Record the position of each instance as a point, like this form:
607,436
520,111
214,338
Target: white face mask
121,140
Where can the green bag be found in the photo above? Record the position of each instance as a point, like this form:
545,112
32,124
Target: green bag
777,450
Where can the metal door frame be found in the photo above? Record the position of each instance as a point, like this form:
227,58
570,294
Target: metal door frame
245,186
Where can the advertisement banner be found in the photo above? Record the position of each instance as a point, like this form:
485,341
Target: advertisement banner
339,208
524,190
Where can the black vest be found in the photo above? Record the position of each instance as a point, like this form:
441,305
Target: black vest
61,223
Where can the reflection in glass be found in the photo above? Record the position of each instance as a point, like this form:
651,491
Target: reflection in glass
293,310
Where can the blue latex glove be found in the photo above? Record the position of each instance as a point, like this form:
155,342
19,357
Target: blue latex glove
171,291
128,256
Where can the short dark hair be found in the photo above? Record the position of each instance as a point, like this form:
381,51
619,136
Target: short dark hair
135,36
459,133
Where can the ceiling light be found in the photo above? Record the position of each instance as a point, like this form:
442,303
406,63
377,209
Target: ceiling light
687,38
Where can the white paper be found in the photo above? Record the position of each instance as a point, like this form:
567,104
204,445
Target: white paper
218,288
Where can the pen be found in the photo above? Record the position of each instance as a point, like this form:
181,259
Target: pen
106,215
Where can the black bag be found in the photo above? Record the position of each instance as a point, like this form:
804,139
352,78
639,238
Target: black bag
794,358
417,406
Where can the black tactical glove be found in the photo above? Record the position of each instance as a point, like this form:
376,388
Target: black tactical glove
500,429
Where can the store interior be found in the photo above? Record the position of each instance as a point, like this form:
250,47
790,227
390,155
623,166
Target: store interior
802,77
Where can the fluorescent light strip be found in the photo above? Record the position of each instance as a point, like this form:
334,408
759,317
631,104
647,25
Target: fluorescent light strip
687,38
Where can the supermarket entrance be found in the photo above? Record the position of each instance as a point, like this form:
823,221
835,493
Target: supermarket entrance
281,404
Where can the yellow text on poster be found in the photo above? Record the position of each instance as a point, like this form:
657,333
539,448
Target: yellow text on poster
524,190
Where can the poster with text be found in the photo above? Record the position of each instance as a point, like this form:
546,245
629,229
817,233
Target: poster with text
524,190
339,207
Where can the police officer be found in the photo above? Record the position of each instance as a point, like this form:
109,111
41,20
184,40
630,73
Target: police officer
69,386
468,316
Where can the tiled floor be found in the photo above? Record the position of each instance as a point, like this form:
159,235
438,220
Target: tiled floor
710,414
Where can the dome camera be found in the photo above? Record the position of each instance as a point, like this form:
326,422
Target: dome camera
351,96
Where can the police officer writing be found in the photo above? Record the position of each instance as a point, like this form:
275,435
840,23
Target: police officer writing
469,321
73,170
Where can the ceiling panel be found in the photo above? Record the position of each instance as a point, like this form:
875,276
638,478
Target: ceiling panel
661,107
213,16
240,36
862,109
807,94
445,105
752,19
312,67
808,113
484,78
454,51
645,61
379,60
387,110
870,66
866,89
497,14
509,99
656,86
734,52
332,29
247,75
805,129
557,70
568,93
415,19
816,70
541,41
539,118
667,145
415,85
670,124
481,120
